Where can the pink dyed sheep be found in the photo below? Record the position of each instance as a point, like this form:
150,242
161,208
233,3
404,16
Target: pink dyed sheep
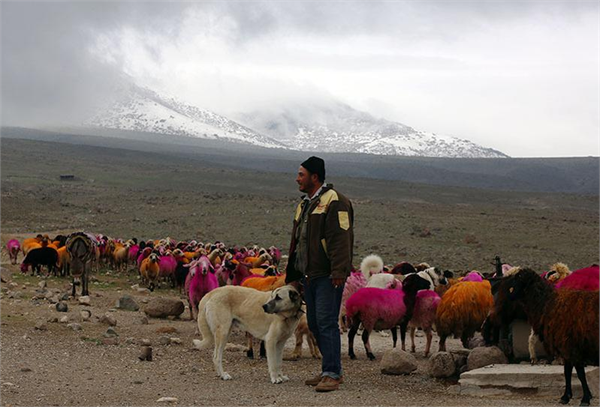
423,317
200,281
586,279
355,282
13,247
167,266
378,308
474,276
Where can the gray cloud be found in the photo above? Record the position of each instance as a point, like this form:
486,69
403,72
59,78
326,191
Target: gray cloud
454,67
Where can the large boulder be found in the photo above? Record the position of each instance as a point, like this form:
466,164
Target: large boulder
127,303
397,362
164,307
483,356
441,364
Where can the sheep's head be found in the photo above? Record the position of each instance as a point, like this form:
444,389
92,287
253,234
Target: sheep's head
153,258
521,282
414,283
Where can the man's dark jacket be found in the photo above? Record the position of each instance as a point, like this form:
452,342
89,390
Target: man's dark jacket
330,237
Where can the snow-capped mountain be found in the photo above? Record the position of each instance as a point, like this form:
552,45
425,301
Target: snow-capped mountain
319,127
141,109
336,127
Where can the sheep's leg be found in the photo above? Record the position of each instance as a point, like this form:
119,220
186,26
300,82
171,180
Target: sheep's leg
413,347
351,335
403,327
250,350
429,338
442,343
394,336
312,344
297,353
464,338
531,344
262,352
587,394
365,338
568,392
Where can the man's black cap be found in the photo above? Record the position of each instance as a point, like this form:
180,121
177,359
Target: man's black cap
315,165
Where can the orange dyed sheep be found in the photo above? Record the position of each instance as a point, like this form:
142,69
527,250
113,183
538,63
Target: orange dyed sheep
462,310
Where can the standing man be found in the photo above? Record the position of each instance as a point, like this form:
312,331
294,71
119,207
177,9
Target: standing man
321,259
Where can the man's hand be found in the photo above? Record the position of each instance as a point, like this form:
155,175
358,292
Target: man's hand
338,282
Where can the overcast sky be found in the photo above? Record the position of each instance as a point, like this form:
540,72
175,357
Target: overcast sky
517,76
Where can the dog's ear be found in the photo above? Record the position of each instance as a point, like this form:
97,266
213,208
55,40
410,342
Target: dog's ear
294,296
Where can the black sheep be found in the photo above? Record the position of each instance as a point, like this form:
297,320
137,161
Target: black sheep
42,256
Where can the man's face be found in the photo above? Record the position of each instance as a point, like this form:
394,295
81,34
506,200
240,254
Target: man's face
306,181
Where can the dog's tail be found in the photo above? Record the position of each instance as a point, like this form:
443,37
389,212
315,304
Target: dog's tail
204,328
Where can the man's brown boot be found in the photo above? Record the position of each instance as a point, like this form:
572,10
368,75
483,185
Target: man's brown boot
314,381
328,384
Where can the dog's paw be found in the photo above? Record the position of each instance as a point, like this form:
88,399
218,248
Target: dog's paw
226,376
284,378
276,380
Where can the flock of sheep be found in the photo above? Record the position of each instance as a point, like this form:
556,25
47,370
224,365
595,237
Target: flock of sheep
560,305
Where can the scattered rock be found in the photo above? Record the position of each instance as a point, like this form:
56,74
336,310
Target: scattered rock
41,326
85,314
483,356
64,319
441,364
164,340
85,300
176,341
164,307
65,297
54,299
234,347
17,295
53,319
62,306
167,400
144,300
110,333
397,362
460,359
75,326
196,343
127,303
146,353
143,320
476,342
130,341
166,330
108,319
142,290
110,341
26,370
135,286
145,342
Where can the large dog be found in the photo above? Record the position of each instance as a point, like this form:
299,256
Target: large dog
270,316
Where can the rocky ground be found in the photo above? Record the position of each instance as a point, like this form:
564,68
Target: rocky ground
126,193
63,358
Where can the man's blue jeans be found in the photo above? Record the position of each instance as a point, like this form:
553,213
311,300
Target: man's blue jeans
323,302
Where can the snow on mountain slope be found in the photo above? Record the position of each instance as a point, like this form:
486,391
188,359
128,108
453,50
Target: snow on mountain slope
140,109
335,127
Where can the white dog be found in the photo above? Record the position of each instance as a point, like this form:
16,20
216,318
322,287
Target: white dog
270,316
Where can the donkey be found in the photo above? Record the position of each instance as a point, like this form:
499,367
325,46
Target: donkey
82,250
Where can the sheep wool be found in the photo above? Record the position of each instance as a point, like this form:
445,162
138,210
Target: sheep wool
462,310
587,279
372,264
374,307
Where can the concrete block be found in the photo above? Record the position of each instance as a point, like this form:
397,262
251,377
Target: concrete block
520,340
546,379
